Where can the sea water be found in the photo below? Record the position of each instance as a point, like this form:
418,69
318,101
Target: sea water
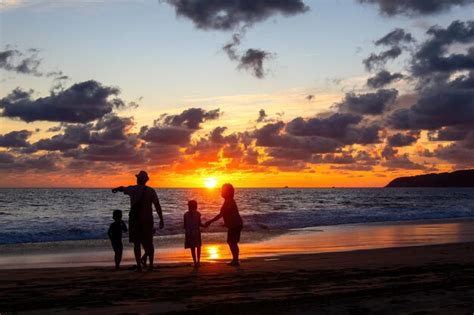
49,215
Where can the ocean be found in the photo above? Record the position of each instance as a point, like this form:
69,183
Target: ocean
50,215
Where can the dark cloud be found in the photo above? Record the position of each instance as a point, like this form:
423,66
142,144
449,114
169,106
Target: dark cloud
383,78
455,153
231,14
262,116
403,139
106,131
177,129
415,7
450,133
166,135
344,128
15,139
82,102
333,126
191,118
433,57
444,104
393,160
41,163
369,103
122,152
252,61
395,38
23,63
375,61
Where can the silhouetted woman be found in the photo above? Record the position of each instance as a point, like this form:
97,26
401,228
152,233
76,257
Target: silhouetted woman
232,221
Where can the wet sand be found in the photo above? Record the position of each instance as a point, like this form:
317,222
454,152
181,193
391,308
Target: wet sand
409,280
169,249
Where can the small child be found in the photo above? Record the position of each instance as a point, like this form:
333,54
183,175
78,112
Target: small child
115,235
192,227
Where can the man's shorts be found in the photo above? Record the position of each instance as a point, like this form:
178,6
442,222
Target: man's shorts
233,234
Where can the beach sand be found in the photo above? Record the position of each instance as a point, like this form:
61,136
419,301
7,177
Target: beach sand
409,280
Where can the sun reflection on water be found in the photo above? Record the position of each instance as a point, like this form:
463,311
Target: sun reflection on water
212,252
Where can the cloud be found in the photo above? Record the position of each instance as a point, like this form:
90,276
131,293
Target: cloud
378,60
252,60
15,139
106,131
383,78
433,57
82,102
455,133
395,38
191,118
231,14
262,116
42,163
166,135
393,160
368,103
310,97
402,140
227,15
415,7
23,63
177,129
443,104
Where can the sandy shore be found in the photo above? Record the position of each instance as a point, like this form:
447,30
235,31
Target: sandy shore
416,280
322,239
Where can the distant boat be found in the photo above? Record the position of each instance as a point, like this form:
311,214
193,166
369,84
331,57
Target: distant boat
286,187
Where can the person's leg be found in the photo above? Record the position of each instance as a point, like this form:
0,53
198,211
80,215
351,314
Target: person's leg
137,251
118,256
149,251
193,253
144,260
234,249
199,255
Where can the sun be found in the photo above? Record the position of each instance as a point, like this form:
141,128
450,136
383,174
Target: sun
210,182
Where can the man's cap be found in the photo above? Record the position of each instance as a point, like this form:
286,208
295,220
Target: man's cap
142,176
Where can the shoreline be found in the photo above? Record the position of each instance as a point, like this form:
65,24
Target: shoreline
310,240
425,279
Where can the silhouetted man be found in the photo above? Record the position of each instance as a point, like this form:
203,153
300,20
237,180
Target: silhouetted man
140,224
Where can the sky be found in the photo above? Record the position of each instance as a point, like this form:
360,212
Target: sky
299,93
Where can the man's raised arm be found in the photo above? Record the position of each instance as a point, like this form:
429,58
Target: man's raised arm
120,188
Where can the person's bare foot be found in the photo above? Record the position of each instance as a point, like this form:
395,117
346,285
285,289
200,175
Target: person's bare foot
197,265
234,263
117,267
143,260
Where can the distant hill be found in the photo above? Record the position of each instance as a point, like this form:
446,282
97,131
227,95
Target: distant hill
463,178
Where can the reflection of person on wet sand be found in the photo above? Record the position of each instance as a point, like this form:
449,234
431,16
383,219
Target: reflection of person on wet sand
141,220
232,221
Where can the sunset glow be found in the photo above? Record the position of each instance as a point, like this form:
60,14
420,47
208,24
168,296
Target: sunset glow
210,183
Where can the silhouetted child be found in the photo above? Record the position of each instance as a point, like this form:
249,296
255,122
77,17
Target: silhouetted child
232,221
192,227
115,235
